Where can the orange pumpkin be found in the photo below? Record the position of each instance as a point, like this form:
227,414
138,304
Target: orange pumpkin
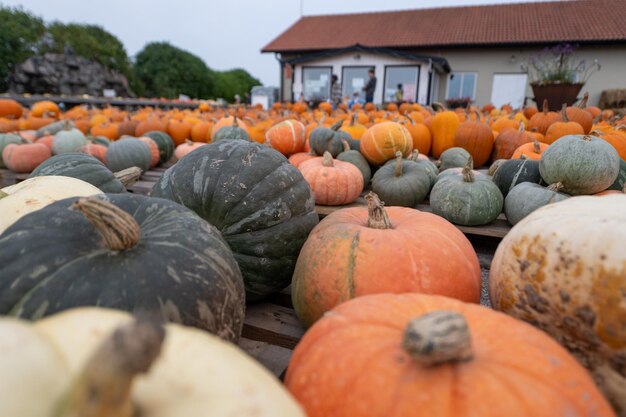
185,148
149,125
530,111
477,139
9,125
10,109
201,131
34,123
380,142
179,131
107,129
530,150
297,158
286,137
25,157
83,125
46,140
333,182
422,139
541,121
154,150
229,121
127,127
617,138
563,128
409,355
579,115
504,123
443,127
508,141
359,251
45,108
355,129
97,151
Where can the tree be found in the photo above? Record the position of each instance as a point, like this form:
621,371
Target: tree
19,33
167,71
231,82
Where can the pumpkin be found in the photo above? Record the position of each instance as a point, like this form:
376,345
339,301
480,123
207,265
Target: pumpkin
354,128
583,164
128,252
201,132
409,355
297,158
10,108
25,156
422,160
359,251
235,131
530,150
562,128
46,140
128,152
7,139
8,125
99,140
616,138
34,193
453,158
54,128
579,115
165,144
150,125
83,167
68,139
185,148
333,182
402,182
286,137
508,141
542,120
466,199
497,164
563,268
179,131
443,127
527,197
620,181
380,142
324,139
229,121
107,129
476,138
93,149
135,367
45,108
262,205
516,171
127,127
422,138
355,158
155,154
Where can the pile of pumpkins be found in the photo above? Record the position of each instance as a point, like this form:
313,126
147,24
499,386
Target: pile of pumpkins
389,293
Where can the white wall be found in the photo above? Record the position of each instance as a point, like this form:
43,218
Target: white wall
337,62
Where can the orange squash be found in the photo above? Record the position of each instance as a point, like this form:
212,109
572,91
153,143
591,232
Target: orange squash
355,129
149,125
563,128
201,131
155,156
617,138
579,115
185,148
109,130
97,151
297,158
542,120
443,127
10,109
333,182
25,157
477,139
410,355
45,108
286,137
179,131
380,142
422,139
508,141
359,251
530,150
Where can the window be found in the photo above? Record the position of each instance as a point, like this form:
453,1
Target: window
316,83
353,80
462,85
407,76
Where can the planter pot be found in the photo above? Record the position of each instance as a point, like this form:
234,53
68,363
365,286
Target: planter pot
556,94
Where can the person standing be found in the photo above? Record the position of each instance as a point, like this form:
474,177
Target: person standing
370,87
335,91
399,95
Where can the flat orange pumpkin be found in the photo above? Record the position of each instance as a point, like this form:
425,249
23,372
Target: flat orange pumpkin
380,142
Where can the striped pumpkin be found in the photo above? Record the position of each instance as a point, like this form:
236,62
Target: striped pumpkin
381,142
286,137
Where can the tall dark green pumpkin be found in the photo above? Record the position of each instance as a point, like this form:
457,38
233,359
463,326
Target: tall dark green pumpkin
357,159
259,201
81,166
127,252
233,132
401,183
620,181
165,144
128,152
516,171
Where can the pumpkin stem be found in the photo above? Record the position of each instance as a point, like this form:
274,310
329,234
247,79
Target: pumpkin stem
336,125
536,146
564,113
188,142
545,106
327,160
346,146
523,157
118,229
587,137
583,102
408,116
522,127
104,386
438,106
556,187
414,155
398,171
437,338
128,176
468,175
353,119
377,215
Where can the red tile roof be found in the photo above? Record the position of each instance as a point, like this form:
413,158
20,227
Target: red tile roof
524,23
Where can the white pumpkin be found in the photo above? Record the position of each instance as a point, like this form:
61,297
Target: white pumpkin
35,193
195,374
563,269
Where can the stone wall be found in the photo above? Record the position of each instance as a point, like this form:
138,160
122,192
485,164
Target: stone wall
66,74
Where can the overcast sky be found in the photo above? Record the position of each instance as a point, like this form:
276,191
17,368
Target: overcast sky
225,34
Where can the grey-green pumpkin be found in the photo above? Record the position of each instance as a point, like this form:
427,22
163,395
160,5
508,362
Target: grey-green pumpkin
401,183
54,128
259,201
584,164
165,144
126,153
67,140
466,199
331,139
453,158
358,160
233,132
430,166
527,197
516,171
6,139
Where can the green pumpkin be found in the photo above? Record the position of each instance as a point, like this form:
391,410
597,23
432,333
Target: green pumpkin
584,164
165,144
430,166
324,139
466,199
81,166
233,132
68,140
516,171
259,201
453,158
6,139
495,165
99,140
458,171
54,128
527,197
401,183
126,153
358,160
620,181
127,252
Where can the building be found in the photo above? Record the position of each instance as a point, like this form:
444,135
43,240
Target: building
453,52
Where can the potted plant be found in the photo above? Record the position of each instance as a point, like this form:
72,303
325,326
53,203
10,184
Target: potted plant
555,75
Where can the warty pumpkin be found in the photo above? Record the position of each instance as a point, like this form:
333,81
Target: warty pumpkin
380,142
333,182
128,252
410,355
563,269
359,251
103,362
